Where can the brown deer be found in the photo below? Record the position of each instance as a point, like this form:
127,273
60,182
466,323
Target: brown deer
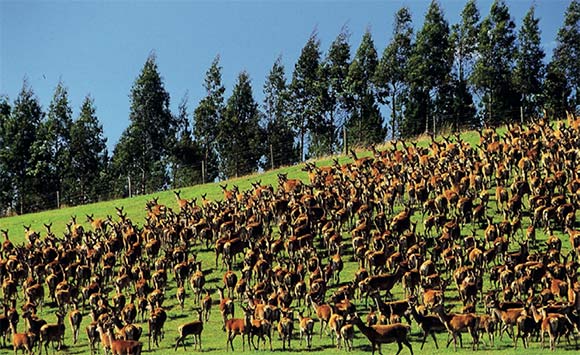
22,341
457,323
306,329
52,332
385,334
429,324
191,328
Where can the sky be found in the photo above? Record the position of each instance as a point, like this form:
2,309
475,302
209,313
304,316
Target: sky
99,47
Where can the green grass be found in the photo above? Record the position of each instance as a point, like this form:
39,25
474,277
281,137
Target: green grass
213,338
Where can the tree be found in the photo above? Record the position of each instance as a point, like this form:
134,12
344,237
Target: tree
49,163
89,156
51,155
304,91
240,137
391,77
365,124
430,74
5,179
187,156
279,133
207,117
147,142
493,72
567,52
22,127
332,73
529,69
556,91
464,40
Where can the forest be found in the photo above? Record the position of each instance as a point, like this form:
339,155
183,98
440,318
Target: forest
480,72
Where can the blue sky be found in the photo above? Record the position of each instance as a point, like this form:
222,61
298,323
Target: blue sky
99,47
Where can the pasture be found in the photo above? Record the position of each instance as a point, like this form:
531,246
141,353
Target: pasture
402,201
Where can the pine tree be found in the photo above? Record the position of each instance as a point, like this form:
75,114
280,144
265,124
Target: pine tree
22,127
391,77
304,91
430,75
187,155
240,138
365,125
332,73
529,70
464,39
567,52
207,117
279,133
147,143
493,72
89,156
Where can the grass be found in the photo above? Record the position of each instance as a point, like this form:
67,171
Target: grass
213,338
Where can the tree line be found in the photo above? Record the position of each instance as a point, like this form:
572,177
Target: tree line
466,75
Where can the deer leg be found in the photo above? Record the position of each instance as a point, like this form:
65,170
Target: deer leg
400,347
434,339
408,344
424,338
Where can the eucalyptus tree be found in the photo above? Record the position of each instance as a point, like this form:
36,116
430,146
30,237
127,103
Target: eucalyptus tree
282,149
566,57
333,100
464,41
530,69
304,91
240,138
365,124
147,143
429,73
21,126
493,73
89,156
391,74
207,117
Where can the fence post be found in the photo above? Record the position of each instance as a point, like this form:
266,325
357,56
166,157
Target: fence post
58,200
522,114
203,171
344,140
129,183
272,156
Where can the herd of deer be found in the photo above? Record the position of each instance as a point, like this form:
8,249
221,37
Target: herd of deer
282,250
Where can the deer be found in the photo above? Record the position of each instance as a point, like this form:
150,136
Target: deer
191,328
285,328
226,305
385,334
347,335
206,306
238,326
429,324
457,323
123,347
335,323
52,332
22,341
323,312
75,318
508,317
306,329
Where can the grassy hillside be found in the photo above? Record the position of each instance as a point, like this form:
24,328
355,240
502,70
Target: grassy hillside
135,206
213,338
